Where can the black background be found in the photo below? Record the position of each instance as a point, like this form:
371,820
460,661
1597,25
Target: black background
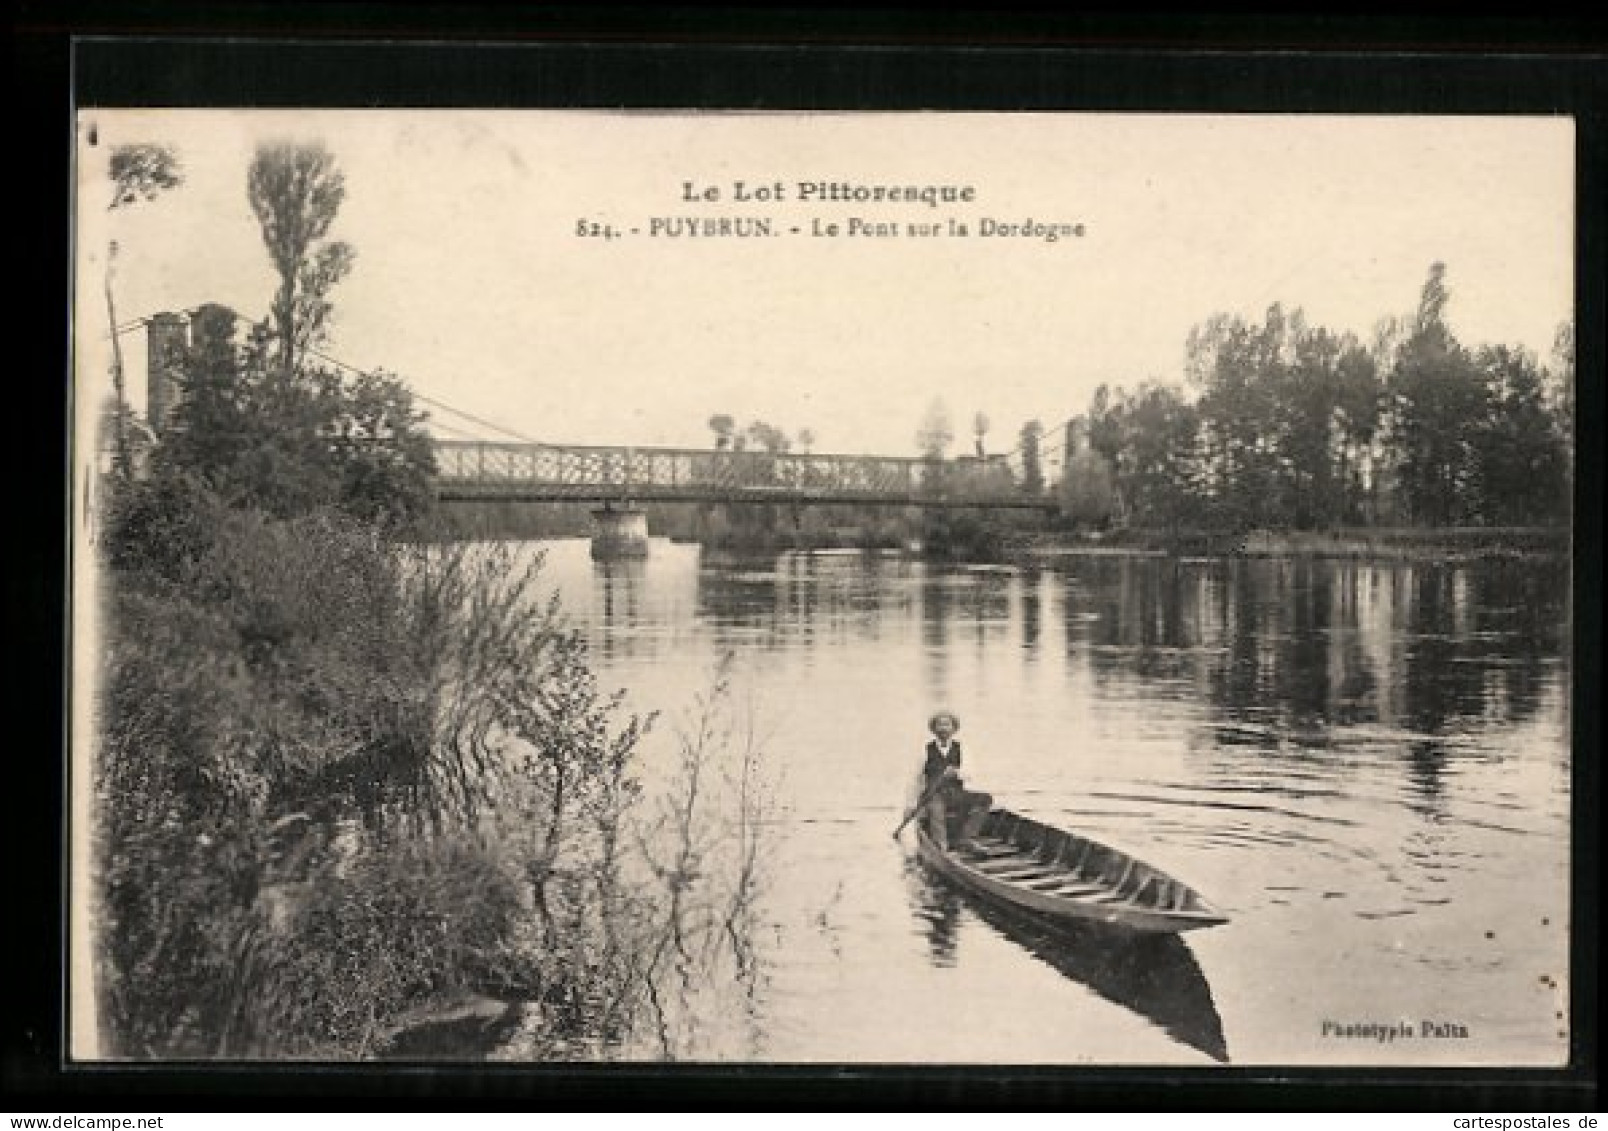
359,55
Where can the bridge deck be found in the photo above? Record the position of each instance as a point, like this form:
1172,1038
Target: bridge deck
469,470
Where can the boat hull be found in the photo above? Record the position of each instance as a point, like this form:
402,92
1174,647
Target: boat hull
1098,902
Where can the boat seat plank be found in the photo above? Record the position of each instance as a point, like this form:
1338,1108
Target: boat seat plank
1018,864
988,838
1002,853
1052,885
1038,873
990,852
1008,863
1073,890
1031,867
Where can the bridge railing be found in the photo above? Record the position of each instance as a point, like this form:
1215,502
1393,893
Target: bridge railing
651,471
473,468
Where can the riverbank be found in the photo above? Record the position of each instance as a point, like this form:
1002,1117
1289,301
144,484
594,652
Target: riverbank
1383,543
360,798
978,535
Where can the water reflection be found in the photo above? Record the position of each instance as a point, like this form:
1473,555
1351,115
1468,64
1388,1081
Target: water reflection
792,600
619,587
1365,762
988,593
937,908
1031,584
936,618
1426,762
1286,651
1153,976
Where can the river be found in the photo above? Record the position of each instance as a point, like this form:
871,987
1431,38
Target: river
1365,765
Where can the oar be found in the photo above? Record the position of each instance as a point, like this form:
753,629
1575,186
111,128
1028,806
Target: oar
932,791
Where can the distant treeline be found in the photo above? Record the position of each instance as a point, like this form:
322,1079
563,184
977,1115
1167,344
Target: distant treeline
1295,427
1279,425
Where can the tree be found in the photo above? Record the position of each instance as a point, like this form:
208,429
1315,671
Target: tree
1088,486
723,426
259,427
768,437
251,437
1287,414
1561,387
806,440
1430,319
141,172
1103,427
215,420
1104,436
1325,410
1438,395
1521,459
354,441
138,172
296,191
1240,369
936,432
382,452
1358,397
1157,468
1032,458
980,426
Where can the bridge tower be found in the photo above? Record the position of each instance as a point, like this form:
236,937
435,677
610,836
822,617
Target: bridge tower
619,532
167,337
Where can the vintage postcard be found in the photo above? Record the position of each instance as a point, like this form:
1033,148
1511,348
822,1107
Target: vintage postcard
1071,589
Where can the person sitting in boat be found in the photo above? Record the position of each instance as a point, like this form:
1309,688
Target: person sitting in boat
955,813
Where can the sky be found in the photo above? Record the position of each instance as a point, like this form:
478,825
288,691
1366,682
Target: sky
472,280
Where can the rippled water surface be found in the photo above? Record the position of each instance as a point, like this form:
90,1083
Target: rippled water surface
1365,765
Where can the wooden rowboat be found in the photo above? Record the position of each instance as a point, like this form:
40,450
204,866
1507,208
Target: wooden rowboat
1029,865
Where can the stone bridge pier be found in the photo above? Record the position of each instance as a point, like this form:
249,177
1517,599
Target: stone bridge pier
618,532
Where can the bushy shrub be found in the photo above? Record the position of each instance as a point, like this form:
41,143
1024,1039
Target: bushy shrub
404,923
276,679
339,779
304,733
179,803
162,524
290,442
962,535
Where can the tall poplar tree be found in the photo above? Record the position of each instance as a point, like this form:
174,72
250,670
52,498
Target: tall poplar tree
1437,395
296,190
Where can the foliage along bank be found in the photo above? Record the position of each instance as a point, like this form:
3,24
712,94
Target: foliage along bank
350,784
1295,427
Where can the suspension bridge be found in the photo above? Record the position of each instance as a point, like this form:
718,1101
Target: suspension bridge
523,469
536,472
